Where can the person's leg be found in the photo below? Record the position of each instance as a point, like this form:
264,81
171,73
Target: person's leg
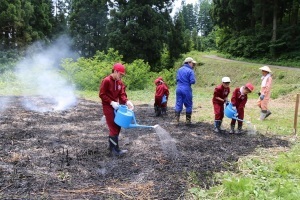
264,109
188,103
240,123
178,105
218,118
114,131
232,126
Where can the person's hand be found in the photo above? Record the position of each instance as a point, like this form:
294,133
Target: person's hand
234,108
115,105
130,105
262,97
226,102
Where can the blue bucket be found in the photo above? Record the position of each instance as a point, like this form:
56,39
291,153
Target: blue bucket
164,99
230,112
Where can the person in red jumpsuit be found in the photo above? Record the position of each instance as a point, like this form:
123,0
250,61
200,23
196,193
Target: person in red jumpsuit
112,93
220,96
238,101
160,102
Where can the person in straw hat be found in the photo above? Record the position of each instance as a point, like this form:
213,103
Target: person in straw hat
265,92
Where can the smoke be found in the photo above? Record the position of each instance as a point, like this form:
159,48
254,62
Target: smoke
39,76
4,102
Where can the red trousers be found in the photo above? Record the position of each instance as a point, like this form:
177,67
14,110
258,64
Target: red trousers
114,129
158,103
240,116
219,111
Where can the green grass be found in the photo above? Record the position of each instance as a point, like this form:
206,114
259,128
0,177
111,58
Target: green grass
266,175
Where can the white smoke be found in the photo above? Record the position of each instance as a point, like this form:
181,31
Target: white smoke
39,75
4,103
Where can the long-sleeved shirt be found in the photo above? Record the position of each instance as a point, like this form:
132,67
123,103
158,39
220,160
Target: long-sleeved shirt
185,76
222,92
112,90
239,99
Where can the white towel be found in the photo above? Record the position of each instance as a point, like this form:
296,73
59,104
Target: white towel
264,80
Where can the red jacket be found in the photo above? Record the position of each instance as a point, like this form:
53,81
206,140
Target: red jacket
222,92
238,99
162,90
112,90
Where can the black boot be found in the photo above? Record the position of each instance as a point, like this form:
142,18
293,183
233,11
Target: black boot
268,114
158,111
177,117
114,146
240,131
188,118
232,129
164,111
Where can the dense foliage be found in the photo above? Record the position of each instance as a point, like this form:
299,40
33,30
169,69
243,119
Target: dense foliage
149,31
256,29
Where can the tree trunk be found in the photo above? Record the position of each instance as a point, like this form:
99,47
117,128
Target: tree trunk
275,9
263,13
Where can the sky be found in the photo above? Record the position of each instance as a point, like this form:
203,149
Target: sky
177,4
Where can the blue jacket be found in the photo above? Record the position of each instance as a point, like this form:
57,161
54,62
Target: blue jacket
185,76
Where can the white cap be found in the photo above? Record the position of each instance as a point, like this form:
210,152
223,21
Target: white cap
226,80
265,68
189,59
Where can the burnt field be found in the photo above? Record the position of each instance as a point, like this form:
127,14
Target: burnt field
64,154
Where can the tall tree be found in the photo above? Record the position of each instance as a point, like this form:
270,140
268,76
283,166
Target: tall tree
88,21
176,38
138,28
60,17
23,22
205,22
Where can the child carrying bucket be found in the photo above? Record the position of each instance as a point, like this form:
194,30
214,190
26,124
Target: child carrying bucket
238,100
161,97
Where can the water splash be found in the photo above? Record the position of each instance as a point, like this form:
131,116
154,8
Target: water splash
251,129
167,142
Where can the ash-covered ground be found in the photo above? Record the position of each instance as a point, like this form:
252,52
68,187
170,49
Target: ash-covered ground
64,154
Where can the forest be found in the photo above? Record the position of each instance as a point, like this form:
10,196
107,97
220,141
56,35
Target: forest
146,30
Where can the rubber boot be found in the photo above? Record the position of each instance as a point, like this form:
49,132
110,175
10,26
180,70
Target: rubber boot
217,126
268,114
221,126
232,129
158,111
164,111
177,117
114,146
263,115
240,131
188,118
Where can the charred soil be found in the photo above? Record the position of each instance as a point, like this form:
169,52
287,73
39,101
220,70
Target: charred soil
64,154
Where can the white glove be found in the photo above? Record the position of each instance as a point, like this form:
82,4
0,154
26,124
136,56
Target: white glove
130,105
233,108
115,105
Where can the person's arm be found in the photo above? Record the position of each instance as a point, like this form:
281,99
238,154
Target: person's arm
104,86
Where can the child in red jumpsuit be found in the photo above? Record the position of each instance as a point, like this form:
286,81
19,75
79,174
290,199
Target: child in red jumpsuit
220,97
239,100
112,93
161,97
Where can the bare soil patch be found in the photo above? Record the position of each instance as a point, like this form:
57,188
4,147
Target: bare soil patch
64,155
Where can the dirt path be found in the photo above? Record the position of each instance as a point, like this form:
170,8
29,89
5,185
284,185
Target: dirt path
229,60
